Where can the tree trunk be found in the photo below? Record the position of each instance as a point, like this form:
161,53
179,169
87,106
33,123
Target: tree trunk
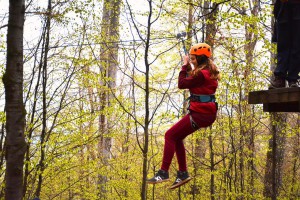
210,32
248,133
212,166
109,58
274,161
275,155
2,147
15,111
295,160
147,109
103,151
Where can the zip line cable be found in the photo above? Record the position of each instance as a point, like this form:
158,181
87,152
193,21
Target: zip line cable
121,42
193,32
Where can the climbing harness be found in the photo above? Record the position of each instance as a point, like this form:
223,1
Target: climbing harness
203,99
193,123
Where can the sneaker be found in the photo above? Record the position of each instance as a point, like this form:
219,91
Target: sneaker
160,176
293,84
182,178
278,82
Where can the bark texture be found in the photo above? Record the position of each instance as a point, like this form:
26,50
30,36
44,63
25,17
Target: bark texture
15,112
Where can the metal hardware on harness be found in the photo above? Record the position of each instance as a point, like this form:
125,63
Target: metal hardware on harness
181,36
193,123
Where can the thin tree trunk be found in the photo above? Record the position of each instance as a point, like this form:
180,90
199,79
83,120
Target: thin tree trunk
125,149
15,111
44,104
199,146
2,154
2,147
32,118
251,39
212,167
147,113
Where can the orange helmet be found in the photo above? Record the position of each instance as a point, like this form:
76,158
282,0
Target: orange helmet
201,49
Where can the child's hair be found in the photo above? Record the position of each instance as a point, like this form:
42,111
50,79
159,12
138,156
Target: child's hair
205,62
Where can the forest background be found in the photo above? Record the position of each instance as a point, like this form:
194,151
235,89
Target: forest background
100,90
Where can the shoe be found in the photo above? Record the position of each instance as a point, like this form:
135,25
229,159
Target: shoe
278,82
182,178
293,84
160,176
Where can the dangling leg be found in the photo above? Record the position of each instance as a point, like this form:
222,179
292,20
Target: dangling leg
181,155
182,175
175,136
176,133
201,120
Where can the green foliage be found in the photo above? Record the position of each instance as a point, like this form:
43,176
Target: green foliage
78,97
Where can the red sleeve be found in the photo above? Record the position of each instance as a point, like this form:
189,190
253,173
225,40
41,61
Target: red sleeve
185,82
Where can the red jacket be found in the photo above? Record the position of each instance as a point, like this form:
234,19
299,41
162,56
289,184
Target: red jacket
201,84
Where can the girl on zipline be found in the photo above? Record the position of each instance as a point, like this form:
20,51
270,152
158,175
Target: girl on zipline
202,82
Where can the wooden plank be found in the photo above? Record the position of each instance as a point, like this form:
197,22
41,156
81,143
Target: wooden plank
257,97
281,107
277,100
282,95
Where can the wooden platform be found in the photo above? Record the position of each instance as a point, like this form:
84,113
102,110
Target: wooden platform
277,100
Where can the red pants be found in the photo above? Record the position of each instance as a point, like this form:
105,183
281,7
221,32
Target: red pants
175,135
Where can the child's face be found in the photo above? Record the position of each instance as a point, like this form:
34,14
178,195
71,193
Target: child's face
193,60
